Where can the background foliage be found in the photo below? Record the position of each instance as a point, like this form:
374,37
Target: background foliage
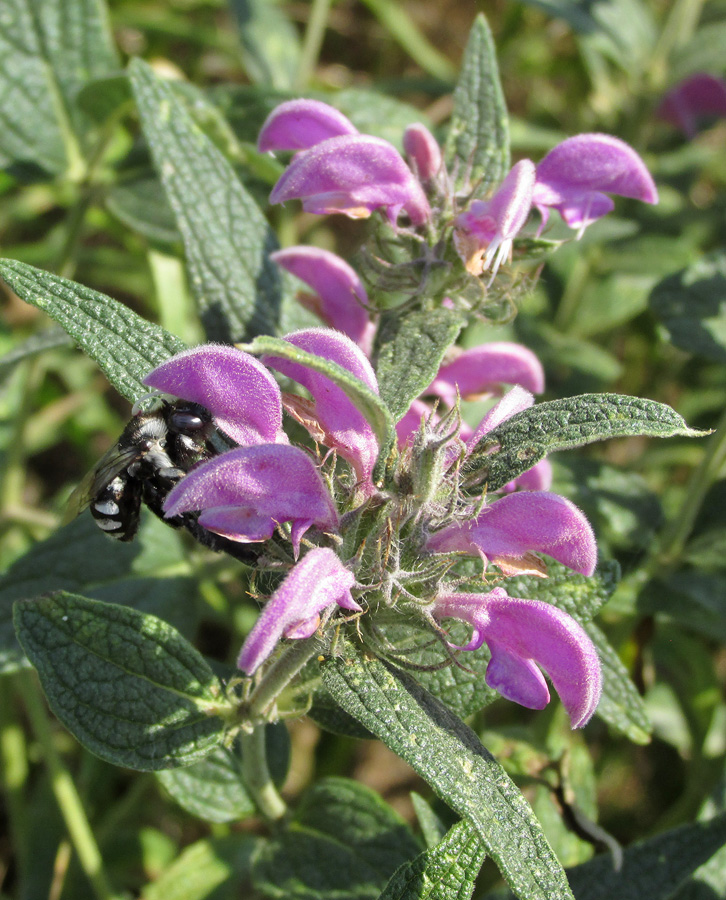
638,307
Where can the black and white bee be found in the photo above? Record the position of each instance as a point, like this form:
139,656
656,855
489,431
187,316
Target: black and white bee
154,452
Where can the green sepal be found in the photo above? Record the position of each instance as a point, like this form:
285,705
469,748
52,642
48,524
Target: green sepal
127,685
477,146
449,756
125,346
527,437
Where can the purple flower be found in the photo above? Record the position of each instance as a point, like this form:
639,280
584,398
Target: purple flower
699,95
484,234
353,174
245,493
300,124
241,394
514,527
422,151
342,299
480,371
576,176
318,581
331,416
525,634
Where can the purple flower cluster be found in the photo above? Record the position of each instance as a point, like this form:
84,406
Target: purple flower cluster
339,170
266,485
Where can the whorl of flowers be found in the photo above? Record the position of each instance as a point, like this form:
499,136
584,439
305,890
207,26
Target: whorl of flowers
347,541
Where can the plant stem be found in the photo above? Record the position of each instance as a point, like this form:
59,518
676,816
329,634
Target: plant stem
678,29
280,674
65,791
257,775
678,530
312,42
14,770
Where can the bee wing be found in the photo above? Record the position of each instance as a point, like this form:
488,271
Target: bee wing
115,460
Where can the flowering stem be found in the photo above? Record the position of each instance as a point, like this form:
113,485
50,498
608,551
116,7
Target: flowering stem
678,530
280,674
257,775
313,41
65,792
678,29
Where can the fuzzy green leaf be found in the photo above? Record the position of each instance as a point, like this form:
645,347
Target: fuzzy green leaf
365,400
343,841
123,344
47,339
128,686
79,558
654,868
410,350
226,237
48,50
527,437
692,306
447,754
446,872
477,146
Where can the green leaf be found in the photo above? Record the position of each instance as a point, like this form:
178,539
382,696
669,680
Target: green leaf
696,600
270,43
692,306
140,203
446,872
477,146
654,868
702,53
447,754
364,399
226,237
621,706
410,350
127,685
527,437
343,841
212,869
48,50
80,559
123,344
214,789
373,112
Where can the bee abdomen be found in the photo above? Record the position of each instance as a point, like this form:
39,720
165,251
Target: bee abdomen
116,509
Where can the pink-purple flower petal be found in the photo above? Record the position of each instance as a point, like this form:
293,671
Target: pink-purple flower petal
300,124
575,177
480,371
343,426
317,582
422,151
342,299
237,389
245,493
700,95
517,525
522,635
485,232
355,175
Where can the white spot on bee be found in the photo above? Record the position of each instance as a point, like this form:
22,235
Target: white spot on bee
108,524
107,508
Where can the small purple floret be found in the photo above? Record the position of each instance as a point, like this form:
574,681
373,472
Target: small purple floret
245,493
525,634
237,389
318,581
300,124
576,176
355,175
422,151
697,96
342,296
517,525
